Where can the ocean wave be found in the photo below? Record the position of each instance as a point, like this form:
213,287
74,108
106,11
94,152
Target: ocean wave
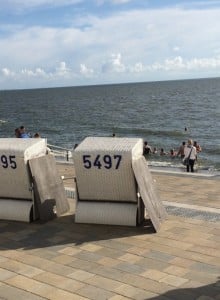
177,165
3,121
147,132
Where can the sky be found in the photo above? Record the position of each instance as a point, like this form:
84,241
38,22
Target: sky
54,43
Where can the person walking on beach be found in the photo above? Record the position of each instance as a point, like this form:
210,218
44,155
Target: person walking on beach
191,153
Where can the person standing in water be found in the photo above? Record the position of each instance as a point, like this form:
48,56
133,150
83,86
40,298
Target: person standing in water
191,153
181,150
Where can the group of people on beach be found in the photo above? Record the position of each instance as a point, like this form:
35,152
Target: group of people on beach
20,132
187,152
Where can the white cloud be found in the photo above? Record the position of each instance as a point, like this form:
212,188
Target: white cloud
137,68
7,72
178,63
38,72
140,42
84,70
114,64
62,69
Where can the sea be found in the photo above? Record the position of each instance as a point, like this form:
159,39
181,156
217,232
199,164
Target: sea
163,113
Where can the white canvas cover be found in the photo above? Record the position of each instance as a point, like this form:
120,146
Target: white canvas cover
15,210
108,213
14,175
103,167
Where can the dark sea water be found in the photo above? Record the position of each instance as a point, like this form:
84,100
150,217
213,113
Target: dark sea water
157,112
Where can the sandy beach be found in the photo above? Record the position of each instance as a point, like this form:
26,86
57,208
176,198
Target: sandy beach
62,259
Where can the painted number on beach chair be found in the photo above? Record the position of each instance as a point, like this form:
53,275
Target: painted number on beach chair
8,161
105,161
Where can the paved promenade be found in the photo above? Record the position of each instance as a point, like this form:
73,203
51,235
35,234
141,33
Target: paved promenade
64,260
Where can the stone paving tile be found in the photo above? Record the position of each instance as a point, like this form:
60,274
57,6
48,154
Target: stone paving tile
44,253
215,238
173,280
13,254
110,273
215,261
5,274
192,284
61,282
69,251
206,268
81,275
109,252
138,251
32,260
161,256
173,243
12,293
134,293
58,268
187,223
148,263
105,283
132,258
207,251
63,259
190,255
88,256
95,293
108,261
201,277
45,265
91,247
203,236
30,285
58,294
145,283
154,274
175,270
118,248
21,268
201,241
3,259
182,262
84,265
119,297
130,268
214,232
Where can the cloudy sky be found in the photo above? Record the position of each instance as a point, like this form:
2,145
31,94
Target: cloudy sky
47,43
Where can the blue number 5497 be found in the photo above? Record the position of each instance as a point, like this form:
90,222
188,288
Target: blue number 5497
105,161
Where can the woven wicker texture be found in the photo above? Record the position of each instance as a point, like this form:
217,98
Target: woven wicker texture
104,170
14,176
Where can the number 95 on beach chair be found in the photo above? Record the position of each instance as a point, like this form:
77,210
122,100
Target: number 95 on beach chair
30,187
114,184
